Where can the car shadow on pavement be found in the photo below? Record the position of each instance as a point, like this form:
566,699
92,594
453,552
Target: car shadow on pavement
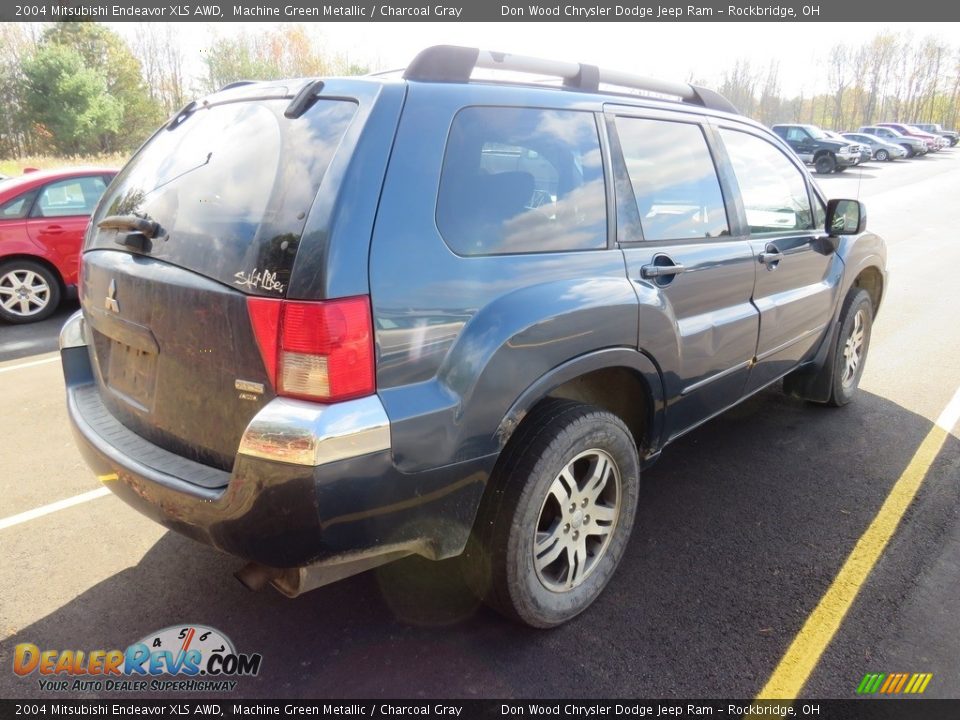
741,528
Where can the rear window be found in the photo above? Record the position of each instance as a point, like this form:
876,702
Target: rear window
231,187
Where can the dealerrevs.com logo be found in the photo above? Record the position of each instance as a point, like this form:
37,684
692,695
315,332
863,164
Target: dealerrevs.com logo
200,658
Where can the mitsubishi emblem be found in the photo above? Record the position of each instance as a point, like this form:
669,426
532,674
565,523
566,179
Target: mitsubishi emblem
110,301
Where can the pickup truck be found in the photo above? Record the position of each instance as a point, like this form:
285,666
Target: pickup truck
815,147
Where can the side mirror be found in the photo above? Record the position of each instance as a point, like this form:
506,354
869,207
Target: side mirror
845,217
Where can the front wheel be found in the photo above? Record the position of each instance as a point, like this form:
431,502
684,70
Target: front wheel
850,353
825,164
882,155
556,519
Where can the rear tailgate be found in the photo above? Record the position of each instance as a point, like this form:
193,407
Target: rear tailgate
229,187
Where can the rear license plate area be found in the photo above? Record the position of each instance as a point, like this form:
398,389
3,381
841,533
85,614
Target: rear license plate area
131,372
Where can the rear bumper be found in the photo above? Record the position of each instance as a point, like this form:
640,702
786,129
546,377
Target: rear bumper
311,484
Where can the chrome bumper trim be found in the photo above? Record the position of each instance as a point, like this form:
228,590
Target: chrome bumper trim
73,331
304,433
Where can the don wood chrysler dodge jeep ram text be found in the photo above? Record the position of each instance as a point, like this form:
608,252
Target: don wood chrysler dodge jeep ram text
330,323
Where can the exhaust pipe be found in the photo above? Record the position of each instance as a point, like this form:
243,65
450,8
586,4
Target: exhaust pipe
295,581
254,576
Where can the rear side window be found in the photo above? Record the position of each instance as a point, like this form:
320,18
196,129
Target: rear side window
17,207
522,180
674,180
796,135
231,187
65,198
773,189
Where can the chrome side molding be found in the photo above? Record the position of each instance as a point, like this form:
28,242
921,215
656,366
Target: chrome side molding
305,433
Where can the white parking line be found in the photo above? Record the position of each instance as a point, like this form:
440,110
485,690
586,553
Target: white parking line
951,413
52,508
29,364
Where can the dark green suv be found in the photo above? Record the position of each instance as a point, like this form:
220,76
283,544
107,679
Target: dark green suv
328,323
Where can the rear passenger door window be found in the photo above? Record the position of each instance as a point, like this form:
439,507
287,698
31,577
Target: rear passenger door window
522,180
18,207
69,198
674,179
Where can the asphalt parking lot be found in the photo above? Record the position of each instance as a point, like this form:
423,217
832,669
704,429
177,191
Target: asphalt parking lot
743,526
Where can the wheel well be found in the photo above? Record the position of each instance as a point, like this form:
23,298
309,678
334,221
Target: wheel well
871,280
40,261
618,390
821,153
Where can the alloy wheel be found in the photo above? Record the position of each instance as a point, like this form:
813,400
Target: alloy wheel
577,520
24,293
853,351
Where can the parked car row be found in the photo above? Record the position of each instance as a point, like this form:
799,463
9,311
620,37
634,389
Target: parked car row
830,151
881,149
935,129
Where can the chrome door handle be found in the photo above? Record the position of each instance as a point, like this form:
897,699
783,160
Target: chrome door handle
771,257
655,271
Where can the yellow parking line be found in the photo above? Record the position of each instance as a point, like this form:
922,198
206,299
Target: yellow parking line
794,669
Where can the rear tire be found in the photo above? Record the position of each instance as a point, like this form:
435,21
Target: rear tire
882,155
557,514
29,292
825,164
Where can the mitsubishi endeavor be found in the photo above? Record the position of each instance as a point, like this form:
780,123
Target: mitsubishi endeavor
329,323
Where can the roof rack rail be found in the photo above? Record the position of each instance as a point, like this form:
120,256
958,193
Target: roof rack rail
452,63
236,83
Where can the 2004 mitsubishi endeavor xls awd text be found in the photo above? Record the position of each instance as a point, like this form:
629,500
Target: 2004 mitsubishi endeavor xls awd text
330,323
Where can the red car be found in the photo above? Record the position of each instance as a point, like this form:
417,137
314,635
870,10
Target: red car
43,216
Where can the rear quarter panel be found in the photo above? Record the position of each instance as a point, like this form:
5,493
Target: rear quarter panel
459,339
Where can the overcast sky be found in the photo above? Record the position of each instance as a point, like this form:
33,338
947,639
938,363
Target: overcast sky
677,51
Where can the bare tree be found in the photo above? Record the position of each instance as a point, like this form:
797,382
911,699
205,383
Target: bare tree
161,56
879,55
770,100
739,86
840,78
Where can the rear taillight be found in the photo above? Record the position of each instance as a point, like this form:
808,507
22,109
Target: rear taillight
321,351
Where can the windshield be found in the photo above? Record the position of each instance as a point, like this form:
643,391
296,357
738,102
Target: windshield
816,133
